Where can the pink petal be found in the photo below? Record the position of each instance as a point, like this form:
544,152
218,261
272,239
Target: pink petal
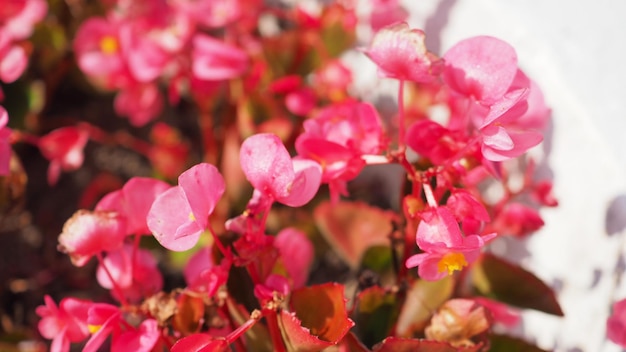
139,194
306,183
512,103
171,221
438,226
203,186
297,252
497,137
522,141
481,67
267,165
215,60
12,64
140,340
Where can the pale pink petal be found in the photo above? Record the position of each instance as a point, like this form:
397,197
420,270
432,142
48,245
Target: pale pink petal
513,104
203,186
140,340
297,253
496,137
522,141
438,226
267,165
139,194
305,184
12,64
481,67
200,261
171,221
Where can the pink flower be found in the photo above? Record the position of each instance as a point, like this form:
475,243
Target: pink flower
215,60
88,233
5,144
616,324
446,250
134,272
501,313
99,52
211,13
140,102
269,168
64,324
18,17
333,80
296,251
517,219
337,138
63,147
104,320
273,284
179,215
13,60
133,202
386,12
400,53
142,339
202,274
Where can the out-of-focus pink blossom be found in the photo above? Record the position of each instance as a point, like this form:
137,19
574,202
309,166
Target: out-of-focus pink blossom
13,60
63,324
134,272
214,60
104,320
386,12
63,147
616,324
211,13
400,53
133,202
500,312
88,233
142,339
517,219
99,52
337,138
201,274
179,215
271,170
296,251
445,248
333,80
5,145
18,17
140,102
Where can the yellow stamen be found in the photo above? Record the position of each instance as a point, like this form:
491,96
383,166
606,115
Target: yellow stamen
109,45
452,262
93,328
192,217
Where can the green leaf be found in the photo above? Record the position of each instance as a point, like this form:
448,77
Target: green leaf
375,314
503,343
422,300
503,281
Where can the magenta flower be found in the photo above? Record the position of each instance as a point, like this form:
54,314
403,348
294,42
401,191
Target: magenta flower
133,202
140,102
179,215
13,60
18,17
215,60
271,171
104,320
134,272
65,323
63,147
616,324
337,138
5,144
89,233
445,248
202,274
400,53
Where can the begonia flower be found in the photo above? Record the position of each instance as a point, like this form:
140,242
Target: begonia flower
142,339
296,251
211,13
202,274
457,321
18,17
134,273
271,170
99,52
214,60
445,248
274,283
337,138
13,60
5,144
179,215
616,324
517,219
63,324
104,320
133,202
332,80
141,103
88,233
400,53
500,312
386,12
63,147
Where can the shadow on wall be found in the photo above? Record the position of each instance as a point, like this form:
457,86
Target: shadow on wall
615,220
435,25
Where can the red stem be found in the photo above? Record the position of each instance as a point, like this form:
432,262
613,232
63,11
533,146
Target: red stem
116,288
272,325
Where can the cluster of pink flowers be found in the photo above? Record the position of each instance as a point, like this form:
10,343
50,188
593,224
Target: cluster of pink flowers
138,44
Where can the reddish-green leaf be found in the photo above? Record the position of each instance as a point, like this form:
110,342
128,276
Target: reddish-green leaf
422,300
319,317
353,227
509,283
503,343
375,314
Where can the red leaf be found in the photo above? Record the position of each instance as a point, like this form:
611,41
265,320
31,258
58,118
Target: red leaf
319,317
352,227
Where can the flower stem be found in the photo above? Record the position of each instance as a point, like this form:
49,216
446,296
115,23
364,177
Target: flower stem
401,143
116,288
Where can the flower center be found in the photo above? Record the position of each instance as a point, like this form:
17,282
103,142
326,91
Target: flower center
108,45
452,262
